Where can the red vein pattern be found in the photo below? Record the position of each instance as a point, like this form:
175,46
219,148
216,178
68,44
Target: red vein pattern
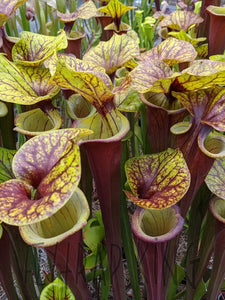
157,181
180,19
33,48
48,164
24,85
114,53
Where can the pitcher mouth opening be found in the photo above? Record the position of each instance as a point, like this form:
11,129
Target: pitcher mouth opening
62,221
151,225
157,226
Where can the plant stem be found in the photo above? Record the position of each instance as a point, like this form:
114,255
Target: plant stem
197,213
41,17
144,130
130,117
206,246
6,277
22,263
178,295
8,138
86,180
128,244
203,30
68,258
104,159
218,270
25,22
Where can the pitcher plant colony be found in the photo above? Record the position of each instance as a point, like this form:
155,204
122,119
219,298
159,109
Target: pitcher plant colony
112,121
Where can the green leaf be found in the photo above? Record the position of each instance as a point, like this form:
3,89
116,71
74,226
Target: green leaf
94,233
24,85
172,51
33,48
113,54
198,5
85,11
106,277
6,157
223,286
47,166
57,290
34,122
177,277
217,207
7,8
157,181
92,275
200,291
180,19
91,261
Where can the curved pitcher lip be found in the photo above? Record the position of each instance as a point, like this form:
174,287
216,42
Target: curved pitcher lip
214,212
174,111
216,10
140,234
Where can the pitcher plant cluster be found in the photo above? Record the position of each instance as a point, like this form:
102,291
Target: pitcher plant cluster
112,122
